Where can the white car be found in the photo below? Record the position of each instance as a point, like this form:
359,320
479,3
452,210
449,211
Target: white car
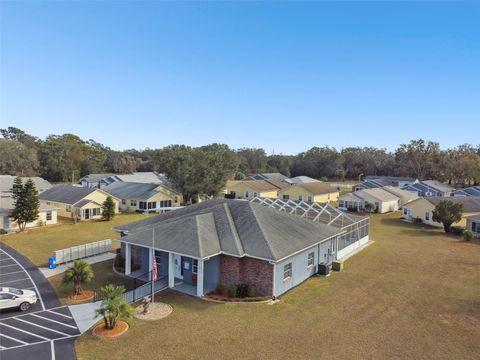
16,298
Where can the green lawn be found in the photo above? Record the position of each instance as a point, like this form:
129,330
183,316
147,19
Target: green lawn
413,294
38,244
103,275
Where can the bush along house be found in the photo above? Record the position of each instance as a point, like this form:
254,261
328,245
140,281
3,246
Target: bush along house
229,242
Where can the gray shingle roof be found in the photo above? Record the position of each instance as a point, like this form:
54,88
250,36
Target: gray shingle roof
470,203
131,190
6,183
67,194
94,178
233,227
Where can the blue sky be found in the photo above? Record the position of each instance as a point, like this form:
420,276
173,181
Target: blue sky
282,76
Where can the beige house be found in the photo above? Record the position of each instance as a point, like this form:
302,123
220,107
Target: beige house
47,215
311,192
248,189
422,209
75,202
381,200
473,224
404,195
143,197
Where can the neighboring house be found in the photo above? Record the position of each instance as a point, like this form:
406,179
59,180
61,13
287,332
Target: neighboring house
470,191
381,200
6,184
397,181
430,188
473,224
404,195
81,203
143,197
422,208
300,180
248,189
310,192
371,184
267,176
47,215
93,180
229,242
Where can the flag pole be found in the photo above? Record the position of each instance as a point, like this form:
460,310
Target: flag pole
153,267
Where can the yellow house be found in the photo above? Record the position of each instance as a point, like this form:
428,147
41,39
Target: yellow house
248,189
422,209
144,197
311,192
77,202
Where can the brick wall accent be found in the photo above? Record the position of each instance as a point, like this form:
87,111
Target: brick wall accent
234,271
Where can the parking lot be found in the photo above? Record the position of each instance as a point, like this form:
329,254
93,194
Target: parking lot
47,330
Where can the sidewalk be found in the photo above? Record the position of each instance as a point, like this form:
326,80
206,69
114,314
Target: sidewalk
84,315
62,268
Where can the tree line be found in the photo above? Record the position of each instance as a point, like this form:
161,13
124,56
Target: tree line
205,169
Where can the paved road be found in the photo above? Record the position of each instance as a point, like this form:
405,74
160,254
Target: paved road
47,330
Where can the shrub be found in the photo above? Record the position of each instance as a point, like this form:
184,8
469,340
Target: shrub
3,232
220,289
251,291
417,220
467,235
232,292
457,230
324,178
119,261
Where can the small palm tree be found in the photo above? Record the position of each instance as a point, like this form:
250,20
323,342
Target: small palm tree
113,306
79,273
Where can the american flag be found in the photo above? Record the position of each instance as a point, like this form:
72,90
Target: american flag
154,270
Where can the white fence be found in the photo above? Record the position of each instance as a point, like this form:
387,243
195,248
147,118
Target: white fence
83,251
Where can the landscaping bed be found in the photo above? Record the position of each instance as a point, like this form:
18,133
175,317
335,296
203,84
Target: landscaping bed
102,332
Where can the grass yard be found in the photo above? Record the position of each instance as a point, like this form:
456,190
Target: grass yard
38,244
413,294
103,275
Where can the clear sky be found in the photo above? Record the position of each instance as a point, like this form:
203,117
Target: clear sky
282,76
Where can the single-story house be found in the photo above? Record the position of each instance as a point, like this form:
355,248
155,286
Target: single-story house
470,191
47,215
382,201
6,184
473,224
143,197
229,242
248,189
397,181
93,180
81,203
310,192
404,195
102,180
300,180
430,188
267,176
422,208
371,184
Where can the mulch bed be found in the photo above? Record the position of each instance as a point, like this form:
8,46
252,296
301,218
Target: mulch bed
83,296
102,332
217,297
156,311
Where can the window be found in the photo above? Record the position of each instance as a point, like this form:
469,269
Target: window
286,197
158,258
49,215
124,202
195,266
287,271
405,211
133,202
68,208
246,194
311,259
143,205
255,194
300,197
474,227
176,199
309,199
427,216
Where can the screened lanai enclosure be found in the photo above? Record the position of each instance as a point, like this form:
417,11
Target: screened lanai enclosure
356,227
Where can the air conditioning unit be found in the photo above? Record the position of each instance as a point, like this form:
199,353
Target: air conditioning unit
323,269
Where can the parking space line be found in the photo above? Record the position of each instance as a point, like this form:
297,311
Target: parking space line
13,272
14,339
12,281
25,331
40,326
4,259
55,321
38,343
57,313
2,266
35,285
30,313
52,349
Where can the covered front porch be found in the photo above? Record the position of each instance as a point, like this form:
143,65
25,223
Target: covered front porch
189,275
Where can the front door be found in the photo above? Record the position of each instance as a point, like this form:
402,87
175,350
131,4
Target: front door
177,259
87,214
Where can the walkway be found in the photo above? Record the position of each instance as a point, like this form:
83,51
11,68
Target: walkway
60,269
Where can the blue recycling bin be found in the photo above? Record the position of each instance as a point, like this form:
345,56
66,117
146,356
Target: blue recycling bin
52,263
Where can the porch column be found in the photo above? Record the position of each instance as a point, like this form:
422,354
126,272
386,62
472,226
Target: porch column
200,278
150,263
128,259
171,270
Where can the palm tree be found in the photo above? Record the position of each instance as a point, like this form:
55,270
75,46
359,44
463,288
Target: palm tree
79,273
113,305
